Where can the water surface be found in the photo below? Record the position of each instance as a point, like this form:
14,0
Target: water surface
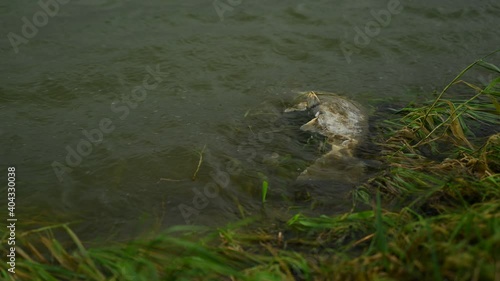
224,82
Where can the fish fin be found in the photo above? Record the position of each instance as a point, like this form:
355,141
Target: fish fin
311,126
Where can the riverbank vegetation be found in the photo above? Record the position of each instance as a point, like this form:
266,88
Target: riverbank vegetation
434,215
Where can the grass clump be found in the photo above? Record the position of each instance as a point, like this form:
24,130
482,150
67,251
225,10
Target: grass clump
434,215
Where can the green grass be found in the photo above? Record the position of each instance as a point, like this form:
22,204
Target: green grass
434,215
265,187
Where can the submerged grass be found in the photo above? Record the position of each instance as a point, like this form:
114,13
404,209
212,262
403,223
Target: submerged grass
435,215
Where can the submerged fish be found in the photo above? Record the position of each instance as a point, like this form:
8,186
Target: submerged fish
344,124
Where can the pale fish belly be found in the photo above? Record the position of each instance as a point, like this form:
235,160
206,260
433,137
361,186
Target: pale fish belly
333,167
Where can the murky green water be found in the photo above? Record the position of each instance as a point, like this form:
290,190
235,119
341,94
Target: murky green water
226,71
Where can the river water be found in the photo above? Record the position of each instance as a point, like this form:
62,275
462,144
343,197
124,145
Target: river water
219,73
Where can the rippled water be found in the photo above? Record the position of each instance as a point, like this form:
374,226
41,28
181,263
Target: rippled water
224,79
